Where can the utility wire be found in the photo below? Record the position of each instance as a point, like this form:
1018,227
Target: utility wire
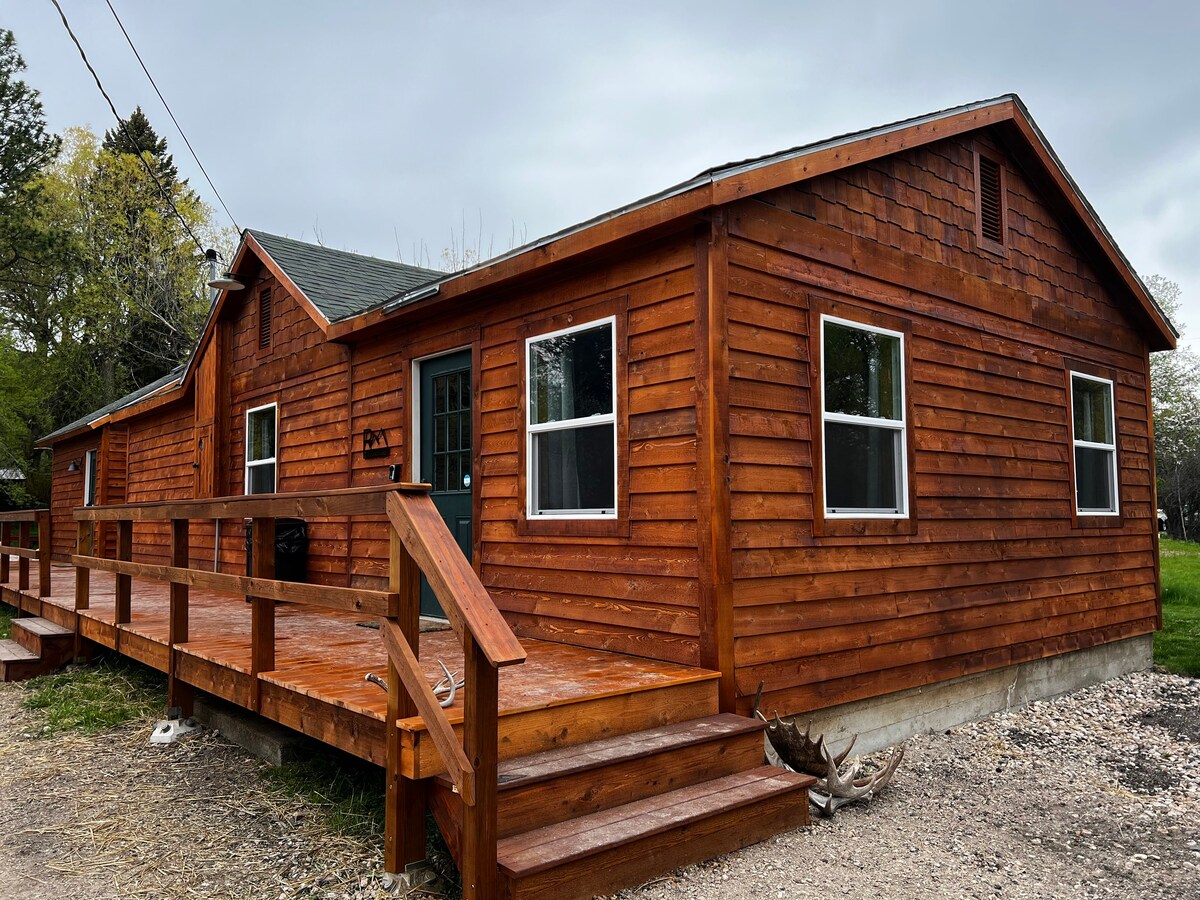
178,127
121,122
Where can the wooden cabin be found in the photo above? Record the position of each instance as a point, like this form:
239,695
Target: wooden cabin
858,418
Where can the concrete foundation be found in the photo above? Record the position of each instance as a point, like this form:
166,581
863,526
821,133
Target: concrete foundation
262,737
885,721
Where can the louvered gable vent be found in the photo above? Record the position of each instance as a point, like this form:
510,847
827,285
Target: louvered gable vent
991,221
264,319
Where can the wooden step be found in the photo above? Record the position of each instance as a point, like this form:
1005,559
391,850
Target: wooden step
18,663
48,640
628,844
538,728
568,782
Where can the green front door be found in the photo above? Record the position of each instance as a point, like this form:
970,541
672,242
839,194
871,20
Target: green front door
446,450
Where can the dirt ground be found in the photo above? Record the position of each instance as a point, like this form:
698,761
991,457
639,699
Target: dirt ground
1093,795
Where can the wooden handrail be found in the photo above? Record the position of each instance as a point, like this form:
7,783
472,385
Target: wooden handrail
371,603
440,730
23,519
23,515
421,544
463,597
362,501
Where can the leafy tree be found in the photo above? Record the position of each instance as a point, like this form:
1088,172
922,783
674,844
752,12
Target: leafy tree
31,252
1175,394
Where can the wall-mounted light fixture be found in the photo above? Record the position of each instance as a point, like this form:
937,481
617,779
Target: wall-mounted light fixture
225,282
74,465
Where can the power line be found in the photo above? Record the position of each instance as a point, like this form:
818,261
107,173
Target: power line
178,127
121,122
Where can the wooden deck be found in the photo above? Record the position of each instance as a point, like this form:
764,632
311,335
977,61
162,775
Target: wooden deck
558,697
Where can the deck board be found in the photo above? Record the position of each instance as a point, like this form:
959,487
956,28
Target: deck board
322,658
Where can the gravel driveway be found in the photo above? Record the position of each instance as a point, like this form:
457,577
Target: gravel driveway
1096,794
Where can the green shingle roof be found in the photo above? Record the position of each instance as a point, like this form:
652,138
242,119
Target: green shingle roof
338,283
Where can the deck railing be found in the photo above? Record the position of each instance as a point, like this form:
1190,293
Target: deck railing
420,543
23,521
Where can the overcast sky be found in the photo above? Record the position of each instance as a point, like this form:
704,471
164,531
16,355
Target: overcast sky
381,127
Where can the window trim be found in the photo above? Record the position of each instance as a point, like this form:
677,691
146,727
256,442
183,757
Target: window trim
1001,248
247,463
899,426
91,476
1114,471
533,429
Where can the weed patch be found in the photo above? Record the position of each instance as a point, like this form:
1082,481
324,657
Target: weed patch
7,614
96,698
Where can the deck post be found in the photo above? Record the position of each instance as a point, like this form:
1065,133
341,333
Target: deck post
480,739
83,576
179,694
44,543
5,537
262,611
23,541
404,831
124,589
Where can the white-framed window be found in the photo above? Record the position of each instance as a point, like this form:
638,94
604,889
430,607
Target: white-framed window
90,477
262,437
1094,438
570,425
865,453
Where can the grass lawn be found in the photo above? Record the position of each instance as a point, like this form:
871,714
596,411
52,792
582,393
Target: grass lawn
1177,646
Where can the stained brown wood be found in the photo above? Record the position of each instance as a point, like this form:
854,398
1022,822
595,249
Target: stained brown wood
24,555
480,746
179,694
453,759
123,582
363,501
470,609
262,609
366,602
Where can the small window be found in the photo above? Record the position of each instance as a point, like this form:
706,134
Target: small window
1095,445
863,416
90,477
990,203
261,438
264,319
571,422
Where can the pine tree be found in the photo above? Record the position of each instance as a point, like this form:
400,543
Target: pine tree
137,136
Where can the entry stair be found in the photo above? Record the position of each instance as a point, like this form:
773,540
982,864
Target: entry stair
612,813
37,647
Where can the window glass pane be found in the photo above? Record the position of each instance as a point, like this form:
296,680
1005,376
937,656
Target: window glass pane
862,373
571,376
575,470
260,437
262,479
861,467
1093,410
1093,479
92,477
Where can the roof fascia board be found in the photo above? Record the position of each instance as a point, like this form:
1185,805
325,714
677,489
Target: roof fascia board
1057,172
662,209
777,172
